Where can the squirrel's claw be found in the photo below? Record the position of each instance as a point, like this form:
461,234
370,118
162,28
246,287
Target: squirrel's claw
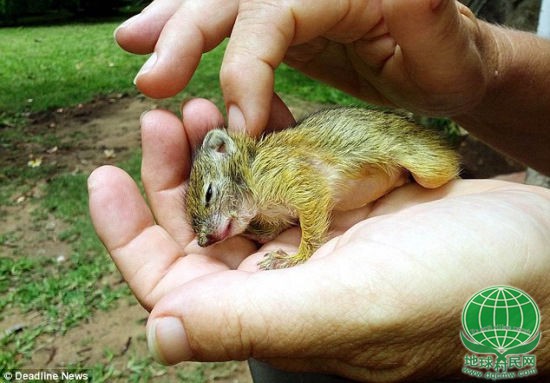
278,259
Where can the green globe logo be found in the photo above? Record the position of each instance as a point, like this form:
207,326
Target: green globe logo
501,320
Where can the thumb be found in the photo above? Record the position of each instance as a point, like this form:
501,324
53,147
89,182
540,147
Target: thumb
440,48
425,33
201,320
235,315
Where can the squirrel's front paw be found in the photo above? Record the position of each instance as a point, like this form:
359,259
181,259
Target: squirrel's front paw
277,259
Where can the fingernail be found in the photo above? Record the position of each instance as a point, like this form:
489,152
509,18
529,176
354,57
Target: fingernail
126,23
167,341
149,64
92,182
235,119
141,116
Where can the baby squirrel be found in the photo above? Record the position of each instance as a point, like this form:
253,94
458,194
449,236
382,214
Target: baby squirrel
335,159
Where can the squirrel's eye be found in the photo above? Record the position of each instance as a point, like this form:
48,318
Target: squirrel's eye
208,195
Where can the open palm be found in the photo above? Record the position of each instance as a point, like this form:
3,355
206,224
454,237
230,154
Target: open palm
382,291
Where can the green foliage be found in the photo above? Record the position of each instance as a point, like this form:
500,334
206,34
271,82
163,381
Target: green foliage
8,9
290,81
50,67
450,129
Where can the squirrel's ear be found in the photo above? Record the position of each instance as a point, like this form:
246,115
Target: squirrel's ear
218,140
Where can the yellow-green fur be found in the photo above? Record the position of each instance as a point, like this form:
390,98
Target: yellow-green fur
259,188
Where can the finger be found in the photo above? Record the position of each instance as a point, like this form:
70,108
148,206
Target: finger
225,317
199,116
263,33
196,27
165,166
115,198
280,116
140,33
148,258
125,225
329,62
246,75
443,27
259,40
449,35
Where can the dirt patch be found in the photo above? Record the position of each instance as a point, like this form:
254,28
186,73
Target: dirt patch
76,140
102,132
480,161
106,131
121,330
115,338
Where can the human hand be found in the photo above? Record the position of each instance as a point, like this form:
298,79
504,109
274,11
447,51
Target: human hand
431,57
379,301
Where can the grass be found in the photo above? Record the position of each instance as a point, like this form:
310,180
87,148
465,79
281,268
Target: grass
50,67
64,292
59,66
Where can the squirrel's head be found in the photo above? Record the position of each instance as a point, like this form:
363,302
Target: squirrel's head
218,202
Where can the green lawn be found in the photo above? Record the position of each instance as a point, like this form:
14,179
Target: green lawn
58,66
49,67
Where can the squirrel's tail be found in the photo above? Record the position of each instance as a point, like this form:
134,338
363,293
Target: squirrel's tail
431,166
